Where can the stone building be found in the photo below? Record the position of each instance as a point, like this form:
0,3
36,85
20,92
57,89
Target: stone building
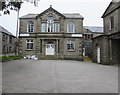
89,32
7,42
51,35
106,47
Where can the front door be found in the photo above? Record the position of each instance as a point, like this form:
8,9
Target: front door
50,49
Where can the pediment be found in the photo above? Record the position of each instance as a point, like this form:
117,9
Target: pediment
112,6
50,12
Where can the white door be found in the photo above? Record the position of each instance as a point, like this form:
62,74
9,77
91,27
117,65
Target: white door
83,51
98,55
50,49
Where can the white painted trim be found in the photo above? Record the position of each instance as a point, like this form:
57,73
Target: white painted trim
98,54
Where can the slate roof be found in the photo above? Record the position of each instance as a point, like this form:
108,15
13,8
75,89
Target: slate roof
67,15
3,30
29,16
94,29
72,15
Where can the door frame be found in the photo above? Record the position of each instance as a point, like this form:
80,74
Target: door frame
98,55
46,53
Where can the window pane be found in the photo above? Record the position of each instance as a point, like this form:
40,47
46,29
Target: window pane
70,45
29,44
57,27
30,27
71,27
43,27
50,24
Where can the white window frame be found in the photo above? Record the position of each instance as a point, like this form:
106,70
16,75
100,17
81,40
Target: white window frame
57,27
28,42
71,45
43,27
50,24
30,27
71,27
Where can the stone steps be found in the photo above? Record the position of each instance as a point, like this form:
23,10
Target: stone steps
48,57
86,59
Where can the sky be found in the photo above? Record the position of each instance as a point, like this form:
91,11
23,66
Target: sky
91,10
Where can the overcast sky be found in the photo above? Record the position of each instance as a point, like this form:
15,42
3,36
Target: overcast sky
91,10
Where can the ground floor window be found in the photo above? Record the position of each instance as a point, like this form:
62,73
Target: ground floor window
29,44
71,45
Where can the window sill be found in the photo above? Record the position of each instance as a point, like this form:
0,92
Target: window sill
112,29
71,50
29,50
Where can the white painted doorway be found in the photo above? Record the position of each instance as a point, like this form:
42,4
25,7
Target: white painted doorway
98,54
83,51
50,49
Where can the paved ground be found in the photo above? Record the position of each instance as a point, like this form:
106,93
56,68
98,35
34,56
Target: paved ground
58,76
0,78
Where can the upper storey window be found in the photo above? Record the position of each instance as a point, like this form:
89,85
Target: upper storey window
30,27
50,25
111,22
71,27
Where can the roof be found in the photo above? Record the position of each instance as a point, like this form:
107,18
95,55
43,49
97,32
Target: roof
3,30
96,29
72,15
29,16
114,4
66,15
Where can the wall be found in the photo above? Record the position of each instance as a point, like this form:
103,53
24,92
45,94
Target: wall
22,46
107,23
77,54
103,43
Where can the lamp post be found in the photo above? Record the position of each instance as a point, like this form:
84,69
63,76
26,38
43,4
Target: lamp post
17,40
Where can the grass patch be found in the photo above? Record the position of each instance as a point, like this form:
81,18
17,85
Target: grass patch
8,58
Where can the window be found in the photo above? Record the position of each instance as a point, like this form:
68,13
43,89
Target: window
29,44
3,49
50,24
10,40
3,38
71,27
30,27
71,45
57,27
43,27
10,49
111,22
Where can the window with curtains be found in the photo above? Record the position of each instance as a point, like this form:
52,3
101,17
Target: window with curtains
30,27
70,45
29,44
71,27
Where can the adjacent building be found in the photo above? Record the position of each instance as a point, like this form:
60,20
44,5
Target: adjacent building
51,34
7,42
89,33
106,47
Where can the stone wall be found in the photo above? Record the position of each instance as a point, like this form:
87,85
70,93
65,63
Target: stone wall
107,29
103,43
